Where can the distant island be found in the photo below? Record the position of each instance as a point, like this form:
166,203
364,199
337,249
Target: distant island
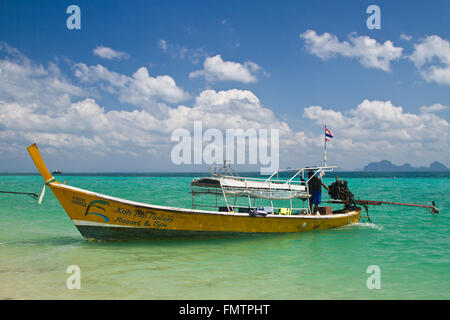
386,165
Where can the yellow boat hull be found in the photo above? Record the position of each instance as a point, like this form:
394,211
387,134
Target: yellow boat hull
103,217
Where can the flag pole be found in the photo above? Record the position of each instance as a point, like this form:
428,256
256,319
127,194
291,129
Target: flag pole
325,146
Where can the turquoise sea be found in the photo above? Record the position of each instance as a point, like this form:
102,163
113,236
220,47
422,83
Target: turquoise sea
409,245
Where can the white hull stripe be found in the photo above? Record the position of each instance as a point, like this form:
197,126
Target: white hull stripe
107,225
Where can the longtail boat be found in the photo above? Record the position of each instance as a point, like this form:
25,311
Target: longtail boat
101,217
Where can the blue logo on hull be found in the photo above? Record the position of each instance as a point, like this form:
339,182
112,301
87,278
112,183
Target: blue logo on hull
97,204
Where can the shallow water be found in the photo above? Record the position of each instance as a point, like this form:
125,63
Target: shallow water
410,246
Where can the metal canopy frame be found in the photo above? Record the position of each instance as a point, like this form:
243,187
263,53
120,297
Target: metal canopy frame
217,185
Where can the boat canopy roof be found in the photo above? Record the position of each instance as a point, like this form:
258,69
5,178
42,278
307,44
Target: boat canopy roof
238,182
238,187
271,188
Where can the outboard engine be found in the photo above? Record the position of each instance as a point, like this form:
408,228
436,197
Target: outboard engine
338,190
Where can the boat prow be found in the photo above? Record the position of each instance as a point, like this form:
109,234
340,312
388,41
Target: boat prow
103,217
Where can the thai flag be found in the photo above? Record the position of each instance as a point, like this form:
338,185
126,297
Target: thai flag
328,134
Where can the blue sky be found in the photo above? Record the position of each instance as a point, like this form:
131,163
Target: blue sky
334,68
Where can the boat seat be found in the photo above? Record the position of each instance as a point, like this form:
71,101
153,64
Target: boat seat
245,210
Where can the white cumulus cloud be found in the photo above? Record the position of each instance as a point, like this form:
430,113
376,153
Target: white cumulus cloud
44,86
381,129
437,107
87,126
431,56
368,51
110,54
39,104
405,37
216,69
140,89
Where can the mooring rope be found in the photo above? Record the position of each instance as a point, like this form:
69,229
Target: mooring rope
32,195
